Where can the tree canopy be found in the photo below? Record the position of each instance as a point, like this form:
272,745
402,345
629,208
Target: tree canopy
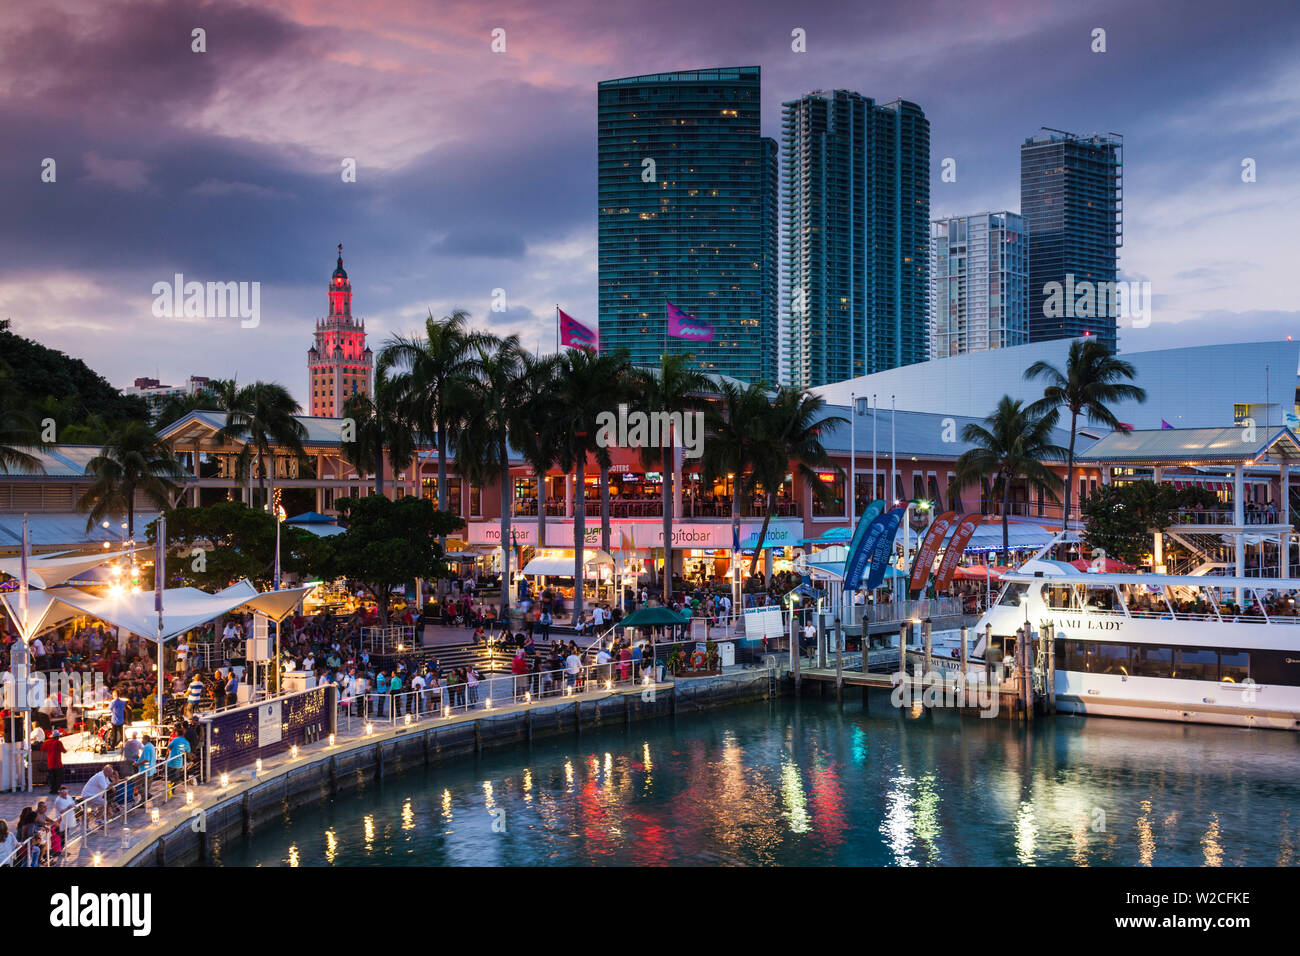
390,543
238,542
1121,518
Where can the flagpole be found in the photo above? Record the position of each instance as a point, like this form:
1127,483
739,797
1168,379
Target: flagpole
875,414
558,347
26,747
160,578
853,459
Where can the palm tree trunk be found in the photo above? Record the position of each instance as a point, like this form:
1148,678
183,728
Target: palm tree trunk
667,476
579,531
439,436
604,506
1069,473
261,475
505,536
1006,530
762,533
541,510
379,469
735,557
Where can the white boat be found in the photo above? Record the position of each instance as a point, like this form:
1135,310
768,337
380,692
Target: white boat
1210,650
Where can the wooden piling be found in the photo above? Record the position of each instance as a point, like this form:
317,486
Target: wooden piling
902,648
929,647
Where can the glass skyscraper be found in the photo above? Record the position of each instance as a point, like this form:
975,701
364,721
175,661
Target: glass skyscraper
687,189
1071,196
981,283
857,236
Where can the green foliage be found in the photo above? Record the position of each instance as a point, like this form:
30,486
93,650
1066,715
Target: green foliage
133,459
38,372
388,543
1121,519
1012,445
238,542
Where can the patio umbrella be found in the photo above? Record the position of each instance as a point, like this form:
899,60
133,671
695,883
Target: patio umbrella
1109,566
979,572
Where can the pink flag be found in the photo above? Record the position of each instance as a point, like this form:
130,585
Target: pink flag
683,326
573,334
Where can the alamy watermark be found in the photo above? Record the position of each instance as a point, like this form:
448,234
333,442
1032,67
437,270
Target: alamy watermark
938,688
1086,299
210,300
638,429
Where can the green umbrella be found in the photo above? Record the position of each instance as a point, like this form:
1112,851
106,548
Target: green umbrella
653,617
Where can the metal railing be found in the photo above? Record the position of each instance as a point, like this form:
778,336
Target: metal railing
501,690
141,794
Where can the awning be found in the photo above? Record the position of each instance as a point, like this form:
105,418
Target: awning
562,567
183,608
830,536
1020,537
51,570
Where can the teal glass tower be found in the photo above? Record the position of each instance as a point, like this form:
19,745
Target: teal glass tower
687,195
1072,199
857,236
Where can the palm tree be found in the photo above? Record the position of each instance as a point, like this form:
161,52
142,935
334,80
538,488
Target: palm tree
535,433
380,428
19,436
134,459
734,425
432,380
612,383
1013,443
792,429
580,374
673,388
261,417
1092,378
502,375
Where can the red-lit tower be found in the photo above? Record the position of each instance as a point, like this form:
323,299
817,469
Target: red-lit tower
340,363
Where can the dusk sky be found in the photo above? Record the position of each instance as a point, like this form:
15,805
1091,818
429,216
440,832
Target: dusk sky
476,170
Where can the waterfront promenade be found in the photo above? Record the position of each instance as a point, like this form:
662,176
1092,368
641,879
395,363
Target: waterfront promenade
127,837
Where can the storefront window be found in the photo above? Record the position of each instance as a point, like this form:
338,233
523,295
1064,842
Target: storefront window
831,506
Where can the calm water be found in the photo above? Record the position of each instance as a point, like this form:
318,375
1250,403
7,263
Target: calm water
806,783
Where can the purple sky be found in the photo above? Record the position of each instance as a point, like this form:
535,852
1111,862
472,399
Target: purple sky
476,170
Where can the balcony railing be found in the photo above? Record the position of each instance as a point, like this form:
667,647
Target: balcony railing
653,508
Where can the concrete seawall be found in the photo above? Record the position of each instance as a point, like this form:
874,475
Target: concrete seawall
245,807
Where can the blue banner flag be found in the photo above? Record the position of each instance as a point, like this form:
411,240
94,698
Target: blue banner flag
884,547
853,576
855,562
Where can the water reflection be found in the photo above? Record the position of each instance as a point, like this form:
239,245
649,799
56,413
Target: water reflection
809,783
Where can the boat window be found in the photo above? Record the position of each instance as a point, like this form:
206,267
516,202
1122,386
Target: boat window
1075,656
1100,597
1144,600
1153,661
1275,667
1197,663
1061,597
1113,659
1234,666
1012,593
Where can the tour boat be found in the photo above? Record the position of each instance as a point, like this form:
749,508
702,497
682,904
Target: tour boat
1210,650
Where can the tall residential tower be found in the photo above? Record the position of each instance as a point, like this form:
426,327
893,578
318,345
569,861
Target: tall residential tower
857,236
981,283
1072,199
688,213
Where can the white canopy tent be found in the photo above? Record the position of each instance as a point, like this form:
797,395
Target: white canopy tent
51,570
563,566
183,608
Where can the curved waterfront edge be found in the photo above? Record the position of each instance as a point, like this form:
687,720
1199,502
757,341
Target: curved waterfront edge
243,807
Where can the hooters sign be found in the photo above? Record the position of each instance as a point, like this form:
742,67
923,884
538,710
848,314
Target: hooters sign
929,548
960,538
